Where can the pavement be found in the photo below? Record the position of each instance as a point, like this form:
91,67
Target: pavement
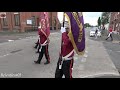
113,50
95,63
17,58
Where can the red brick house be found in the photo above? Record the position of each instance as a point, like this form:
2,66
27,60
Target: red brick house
115,21
25,21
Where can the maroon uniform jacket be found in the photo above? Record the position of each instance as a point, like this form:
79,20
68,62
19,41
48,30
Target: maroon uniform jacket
110,30
67,46
43,38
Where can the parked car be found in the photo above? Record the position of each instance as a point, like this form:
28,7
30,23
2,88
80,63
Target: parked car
92,32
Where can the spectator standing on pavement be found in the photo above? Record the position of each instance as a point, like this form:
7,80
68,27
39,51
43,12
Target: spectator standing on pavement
110,34
65,61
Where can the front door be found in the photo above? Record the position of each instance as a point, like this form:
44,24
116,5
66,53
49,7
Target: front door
16,21
4,24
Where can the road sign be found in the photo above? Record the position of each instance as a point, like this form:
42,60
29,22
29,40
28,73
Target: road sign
2,14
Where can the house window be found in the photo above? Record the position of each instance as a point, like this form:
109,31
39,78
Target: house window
17,19
5,22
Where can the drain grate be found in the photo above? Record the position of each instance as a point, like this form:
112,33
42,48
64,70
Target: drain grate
16,51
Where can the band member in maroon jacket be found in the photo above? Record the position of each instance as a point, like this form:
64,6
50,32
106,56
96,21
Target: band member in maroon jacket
44,41
65,62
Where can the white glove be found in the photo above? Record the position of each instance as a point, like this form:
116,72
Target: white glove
39,27
63,29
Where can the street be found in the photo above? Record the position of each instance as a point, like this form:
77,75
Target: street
112,48
101,58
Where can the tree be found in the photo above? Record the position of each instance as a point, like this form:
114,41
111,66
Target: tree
99,22
87,25
105,18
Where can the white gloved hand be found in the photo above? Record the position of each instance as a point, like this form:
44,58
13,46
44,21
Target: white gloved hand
63,29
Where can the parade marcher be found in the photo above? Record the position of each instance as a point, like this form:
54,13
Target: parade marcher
65,61
73,39
44,41
110,34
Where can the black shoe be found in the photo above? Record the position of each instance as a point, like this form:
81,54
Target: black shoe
35,47
46,63
37,52
36,62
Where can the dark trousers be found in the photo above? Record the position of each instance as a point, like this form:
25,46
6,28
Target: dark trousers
37,43
65,70
37,46
43,51
110,37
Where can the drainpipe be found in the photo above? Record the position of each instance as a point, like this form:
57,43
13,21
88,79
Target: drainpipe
11,21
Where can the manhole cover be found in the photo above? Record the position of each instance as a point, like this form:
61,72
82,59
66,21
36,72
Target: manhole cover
16,51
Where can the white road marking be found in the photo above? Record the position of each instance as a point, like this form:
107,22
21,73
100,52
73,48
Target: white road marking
4,55
10,40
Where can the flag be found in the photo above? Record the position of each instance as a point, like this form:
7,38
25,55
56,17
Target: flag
77,32
44,21
47,23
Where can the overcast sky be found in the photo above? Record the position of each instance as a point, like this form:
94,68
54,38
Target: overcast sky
89,17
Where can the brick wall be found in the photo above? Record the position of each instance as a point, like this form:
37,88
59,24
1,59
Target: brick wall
24,16
115,21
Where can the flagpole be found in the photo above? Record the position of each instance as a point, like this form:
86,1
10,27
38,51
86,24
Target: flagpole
61,36
63,18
